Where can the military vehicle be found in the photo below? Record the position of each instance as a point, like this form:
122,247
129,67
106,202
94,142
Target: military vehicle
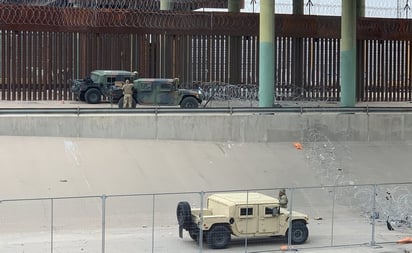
157,91
100,83
240,214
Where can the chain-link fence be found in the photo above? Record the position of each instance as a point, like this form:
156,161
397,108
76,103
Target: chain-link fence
338,215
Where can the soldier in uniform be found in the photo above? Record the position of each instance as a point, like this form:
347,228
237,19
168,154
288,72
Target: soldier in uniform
283,199
128,94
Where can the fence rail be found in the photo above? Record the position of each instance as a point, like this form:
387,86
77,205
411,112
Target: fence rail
227,110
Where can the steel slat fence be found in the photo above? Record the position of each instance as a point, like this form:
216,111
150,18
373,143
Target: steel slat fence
44,47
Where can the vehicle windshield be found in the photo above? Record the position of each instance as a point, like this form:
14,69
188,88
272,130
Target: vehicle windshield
94,77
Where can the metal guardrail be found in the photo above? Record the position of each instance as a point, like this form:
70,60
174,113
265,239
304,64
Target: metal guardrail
215,110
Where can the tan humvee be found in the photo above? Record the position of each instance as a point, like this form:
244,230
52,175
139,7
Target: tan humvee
240,214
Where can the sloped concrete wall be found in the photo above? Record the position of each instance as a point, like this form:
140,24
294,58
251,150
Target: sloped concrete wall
216,127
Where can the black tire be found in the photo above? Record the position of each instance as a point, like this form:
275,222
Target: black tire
184,214
218,237
194,232
189,102
93,96
82,97
300,232
121,100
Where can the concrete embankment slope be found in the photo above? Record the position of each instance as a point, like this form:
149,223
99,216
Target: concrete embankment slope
58,166
112,154
57,156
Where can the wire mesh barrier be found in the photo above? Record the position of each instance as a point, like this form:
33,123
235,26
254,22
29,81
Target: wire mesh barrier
149,5
380,214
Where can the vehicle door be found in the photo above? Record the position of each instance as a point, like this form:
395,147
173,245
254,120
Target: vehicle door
165,93
247,218
269,218
145,93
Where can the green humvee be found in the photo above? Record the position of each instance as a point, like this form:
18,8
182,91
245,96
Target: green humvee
240,214
157,91
100,83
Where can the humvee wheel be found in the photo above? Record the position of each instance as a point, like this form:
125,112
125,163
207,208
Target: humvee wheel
184,214
92,96
300,232
189,102
81,97
194,232
218,237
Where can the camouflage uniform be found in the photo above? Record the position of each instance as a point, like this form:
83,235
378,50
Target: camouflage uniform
128,93
283,199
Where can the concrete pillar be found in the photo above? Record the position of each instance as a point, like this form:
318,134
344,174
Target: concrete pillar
233,5
360,8
298,7
361,54
348,54
266,53
165,5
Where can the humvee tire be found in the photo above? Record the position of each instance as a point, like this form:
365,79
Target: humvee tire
93,96
218,237
184,214
189,102
300,232
82,97
194,232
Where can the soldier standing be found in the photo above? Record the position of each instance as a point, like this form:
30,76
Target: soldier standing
128,93
283,199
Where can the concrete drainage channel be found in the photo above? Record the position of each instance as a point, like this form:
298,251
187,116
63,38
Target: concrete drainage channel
321,129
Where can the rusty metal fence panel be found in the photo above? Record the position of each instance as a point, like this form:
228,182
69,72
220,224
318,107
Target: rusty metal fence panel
44,47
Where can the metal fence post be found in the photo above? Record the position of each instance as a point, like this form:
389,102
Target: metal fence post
153,221
290,219
247,221
333,215
51,225
202,194
373,242
103,222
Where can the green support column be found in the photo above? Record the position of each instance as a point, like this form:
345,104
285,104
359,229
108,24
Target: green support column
361,54
165,5
360,8
233,5
298,7
348,54
266,53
